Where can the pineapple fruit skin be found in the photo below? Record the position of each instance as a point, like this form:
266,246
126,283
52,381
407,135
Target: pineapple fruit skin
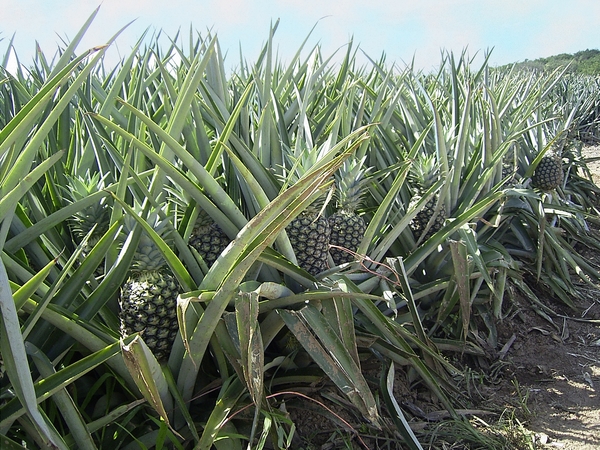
209,240
309,235
548,174
422,218
347,232
148,304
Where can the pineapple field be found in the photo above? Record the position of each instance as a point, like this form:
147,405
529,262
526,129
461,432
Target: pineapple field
309,254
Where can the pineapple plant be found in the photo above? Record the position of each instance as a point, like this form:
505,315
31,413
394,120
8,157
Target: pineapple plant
208,238
548,174
148,300
309,232
347,227
424,173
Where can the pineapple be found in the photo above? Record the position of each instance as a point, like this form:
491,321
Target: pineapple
310,231
208,239
347,227
424,174
510,170
97,214
548,174
148,301
309,235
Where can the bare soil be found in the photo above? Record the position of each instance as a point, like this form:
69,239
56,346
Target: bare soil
553,369
591,153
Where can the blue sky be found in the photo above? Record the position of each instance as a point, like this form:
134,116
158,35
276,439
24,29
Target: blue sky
402,29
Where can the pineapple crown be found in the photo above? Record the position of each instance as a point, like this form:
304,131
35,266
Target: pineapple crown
351,183
80,187
302,163
424,171
148,257
302,160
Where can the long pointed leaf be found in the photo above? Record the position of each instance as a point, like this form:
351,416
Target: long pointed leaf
15,359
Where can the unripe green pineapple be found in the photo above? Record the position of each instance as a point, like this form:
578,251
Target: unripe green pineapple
309,235
424,174
208,238
510,171
149,305
421,220
148,301
347,227
347,232
309,232
548,174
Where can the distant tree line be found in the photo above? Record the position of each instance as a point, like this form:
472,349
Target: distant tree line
585,62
